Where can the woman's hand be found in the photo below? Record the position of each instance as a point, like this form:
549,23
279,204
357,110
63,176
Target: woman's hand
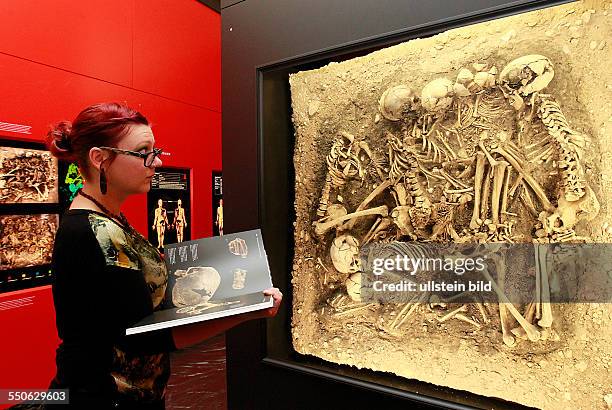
188,335
277,296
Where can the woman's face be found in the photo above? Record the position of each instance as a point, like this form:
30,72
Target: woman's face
127,174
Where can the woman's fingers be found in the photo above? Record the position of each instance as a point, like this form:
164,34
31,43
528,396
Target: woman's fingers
275,293
277,297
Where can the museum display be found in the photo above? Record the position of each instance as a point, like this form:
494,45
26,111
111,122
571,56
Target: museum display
26,245
497,132
26,240
217,203
29,205
208,279
27,175
169,207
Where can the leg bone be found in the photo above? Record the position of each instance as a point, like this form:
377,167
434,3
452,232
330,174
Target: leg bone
462,308
537,189
547,318
505,325
412,309
379,189
532,332
504,202
322,227
484,209
528,202
499,171
480,163
467,320
483,312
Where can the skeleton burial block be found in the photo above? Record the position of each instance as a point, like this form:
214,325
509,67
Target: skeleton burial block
497,132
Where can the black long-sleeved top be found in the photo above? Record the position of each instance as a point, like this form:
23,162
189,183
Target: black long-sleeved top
107,279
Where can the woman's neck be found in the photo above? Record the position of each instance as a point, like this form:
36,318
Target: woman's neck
108,201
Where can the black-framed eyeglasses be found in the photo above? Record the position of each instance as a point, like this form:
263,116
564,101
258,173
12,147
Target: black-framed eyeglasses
148,157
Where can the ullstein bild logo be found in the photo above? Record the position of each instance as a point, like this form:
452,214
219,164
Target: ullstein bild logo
18,128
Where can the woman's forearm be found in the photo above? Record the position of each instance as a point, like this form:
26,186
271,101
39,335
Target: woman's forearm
189,335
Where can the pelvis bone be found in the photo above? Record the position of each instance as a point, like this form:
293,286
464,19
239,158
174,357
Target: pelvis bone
568,214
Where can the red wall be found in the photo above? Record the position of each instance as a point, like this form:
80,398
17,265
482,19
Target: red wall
162,57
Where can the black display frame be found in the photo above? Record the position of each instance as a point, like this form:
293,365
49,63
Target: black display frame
36,275
170,195
217,197
259,38
275,213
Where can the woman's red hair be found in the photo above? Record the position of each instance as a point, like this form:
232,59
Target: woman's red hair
97,125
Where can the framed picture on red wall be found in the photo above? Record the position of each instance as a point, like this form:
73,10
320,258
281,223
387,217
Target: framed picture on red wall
28,174
29,207
169,207
217,203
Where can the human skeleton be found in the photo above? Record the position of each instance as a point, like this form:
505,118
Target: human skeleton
481,159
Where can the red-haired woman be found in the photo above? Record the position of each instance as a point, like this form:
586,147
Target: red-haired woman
108,276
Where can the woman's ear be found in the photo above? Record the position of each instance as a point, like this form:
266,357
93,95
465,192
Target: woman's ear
96,157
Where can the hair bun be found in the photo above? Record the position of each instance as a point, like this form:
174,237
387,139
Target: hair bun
59,140
62,135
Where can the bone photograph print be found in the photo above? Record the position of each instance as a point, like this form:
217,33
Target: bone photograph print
27,176
26,240
496,132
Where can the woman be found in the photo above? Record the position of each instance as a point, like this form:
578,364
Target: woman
108,276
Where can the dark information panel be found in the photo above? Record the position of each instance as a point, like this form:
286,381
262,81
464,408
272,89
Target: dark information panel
169,207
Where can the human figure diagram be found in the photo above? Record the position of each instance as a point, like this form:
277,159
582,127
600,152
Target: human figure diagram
180,221
160,223
219,220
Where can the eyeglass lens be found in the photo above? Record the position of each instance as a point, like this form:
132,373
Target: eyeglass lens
151,158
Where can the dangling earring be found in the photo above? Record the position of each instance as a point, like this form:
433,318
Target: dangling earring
103,186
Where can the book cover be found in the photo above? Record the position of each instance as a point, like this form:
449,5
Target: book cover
211,278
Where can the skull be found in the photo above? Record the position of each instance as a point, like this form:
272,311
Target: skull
464,76
437,95
485,79
344,254
528,74
196,285
397,101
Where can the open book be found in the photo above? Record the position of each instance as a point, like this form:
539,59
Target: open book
211,278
